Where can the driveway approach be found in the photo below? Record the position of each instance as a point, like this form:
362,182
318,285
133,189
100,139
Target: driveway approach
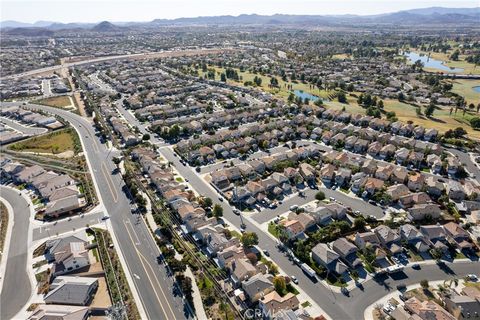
17,288
135,242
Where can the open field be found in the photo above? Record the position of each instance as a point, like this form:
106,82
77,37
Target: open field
281,91
468,68
465,89
441,119
63,102
54,143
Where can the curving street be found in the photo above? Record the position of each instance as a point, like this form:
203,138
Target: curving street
135,243
16,288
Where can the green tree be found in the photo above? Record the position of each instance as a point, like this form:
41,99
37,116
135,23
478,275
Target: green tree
280,285
429,110
320,195
424,284
342,98
116,160
249,239
223,77
208,202
146,137
475,122
217,211
359,223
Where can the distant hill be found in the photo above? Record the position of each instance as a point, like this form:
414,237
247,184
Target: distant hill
29,32
106,26
433,15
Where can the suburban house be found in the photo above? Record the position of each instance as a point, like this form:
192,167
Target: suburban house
414,237
458,236
69,253
272,303
77,291
59,312
347,251
423,211
257,287
427,309
389,238
324,255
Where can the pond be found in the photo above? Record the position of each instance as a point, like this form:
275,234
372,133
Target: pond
302,94
429,62
476,89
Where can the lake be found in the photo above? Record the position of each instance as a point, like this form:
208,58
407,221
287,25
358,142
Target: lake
302,94
430,63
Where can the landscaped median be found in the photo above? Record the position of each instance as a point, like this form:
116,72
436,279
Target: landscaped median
3,226
118,288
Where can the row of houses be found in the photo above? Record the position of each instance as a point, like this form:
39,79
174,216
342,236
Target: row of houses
217,242
59,191
342,255
31,117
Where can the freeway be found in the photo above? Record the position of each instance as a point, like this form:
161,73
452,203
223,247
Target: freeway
17,288
336,305
148,55
135,243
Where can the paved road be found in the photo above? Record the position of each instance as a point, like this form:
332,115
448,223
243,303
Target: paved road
65,225
135,242
165,53
355,203
16,286
467,161
336,305
31,131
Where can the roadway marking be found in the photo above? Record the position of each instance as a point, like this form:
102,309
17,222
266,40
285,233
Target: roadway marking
142,258
109,182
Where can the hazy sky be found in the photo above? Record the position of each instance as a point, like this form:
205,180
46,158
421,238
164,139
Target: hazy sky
146,10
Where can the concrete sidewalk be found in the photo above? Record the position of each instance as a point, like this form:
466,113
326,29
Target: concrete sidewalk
197,298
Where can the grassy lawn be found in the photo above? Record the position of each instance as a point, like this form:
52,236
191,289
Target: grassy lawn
54,143
472,284
272,228
281,91
441,119
306,304
39,264
468,68
179,179
62,102
459,255
465,89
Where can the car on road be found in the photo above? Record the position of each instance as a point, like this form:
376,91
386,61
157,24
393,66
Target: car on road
294,207
416,266
294,279
265,252
345,291
332,199
356,213
220,199
105,218
472,277
236,211
372,202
